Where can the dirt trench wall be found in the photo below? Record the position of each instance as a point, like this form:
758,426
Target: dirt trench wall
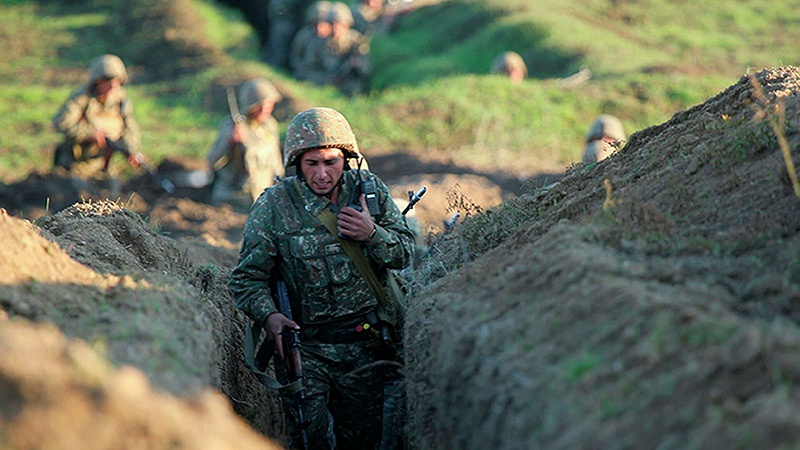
139,298
567,343
648,301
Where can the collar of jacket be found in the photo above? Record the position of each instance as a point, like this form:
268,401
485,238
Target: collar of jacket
314,203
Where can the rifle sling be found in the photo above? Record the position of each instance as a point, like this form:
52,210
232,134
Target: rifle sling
352,249
251,341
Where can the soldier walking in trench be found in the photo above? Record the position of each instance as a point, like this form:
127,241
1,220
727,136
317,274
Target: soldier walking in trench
335,251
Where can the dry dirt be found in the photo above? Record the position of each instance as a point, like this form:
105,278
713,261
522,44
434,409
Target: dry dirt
657,310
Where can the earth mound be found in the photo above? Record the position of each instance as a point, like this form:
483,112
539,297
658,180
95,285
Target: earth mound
102,275
649,301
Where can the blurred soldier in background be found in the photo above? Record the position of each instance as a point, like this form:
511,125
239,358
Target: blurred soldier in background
366,14
246,155
97,119
306,56
511,65
605,136
347,53
285,19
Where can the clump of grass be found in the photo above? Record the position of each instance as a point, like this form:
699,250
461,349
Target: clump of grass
775,114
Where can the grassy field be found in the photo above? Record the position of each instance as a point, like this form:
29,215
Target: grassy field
649,59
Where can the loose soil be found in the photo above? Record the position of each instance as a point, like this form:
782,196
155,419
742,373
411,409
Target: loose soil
650,300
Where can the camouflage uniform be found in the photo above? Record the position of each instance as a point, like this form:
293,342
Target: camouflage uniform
82,114
604,137
346,55
253,164
305,58
285,18
330,298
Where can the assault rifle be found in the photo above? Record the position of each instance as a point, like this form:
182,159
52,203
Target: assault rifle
138,163
292,361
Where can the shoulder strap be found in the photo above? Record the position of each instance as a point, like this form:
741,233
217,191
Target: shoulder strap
351,248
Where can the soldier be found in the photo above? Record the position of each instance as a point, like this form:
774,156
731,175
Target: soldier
511,65
346,53
366,14
246,155
305,59
605,136
336,262
96,116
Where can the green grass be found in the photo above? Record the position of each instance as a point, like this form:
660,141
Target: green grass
649,59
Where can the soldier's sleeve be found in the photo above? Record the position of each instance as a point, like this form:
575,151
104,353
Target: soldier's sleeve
69,119
130,135
249,282
221,145
392,246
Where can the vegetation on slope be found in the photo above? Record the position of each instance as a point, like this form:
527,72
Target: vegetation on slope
432,95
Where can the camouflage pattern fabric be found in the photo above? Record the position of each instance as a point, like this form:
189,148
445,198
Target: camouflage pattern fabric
319,128
346,61
329,296
285,19
305,58
250,166
343,400
82,113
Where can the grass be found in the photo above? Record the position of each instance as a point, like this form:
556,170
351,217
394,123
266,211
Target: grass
432,94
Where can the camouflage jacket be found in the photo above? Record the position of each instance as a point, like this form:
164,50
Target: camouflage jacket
262,140
283,232
81,114
304,55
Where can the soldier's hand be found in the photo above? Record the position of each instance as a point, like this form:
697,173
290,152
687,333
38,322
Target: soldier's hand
354,224
237,134
275,325
136,160
99,138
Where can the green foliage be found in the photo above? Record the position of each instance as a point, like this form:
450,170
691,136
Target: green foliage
433,88
582,364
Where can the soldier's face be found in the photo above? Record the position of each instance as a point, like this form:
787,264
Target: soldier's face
106,86
262,111
323,29
322,169
339,29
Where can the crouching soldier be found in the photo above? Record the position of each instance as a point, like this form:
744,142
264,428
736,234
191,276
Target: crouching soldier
97,119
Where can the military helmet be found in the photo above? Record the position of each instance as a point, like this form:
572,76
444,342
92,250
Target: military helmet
608,126
256,91
317,128
318,12
108,66
340,12
508,60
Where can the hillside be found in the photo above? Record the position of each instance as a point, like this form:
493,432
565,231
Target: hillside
649,300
